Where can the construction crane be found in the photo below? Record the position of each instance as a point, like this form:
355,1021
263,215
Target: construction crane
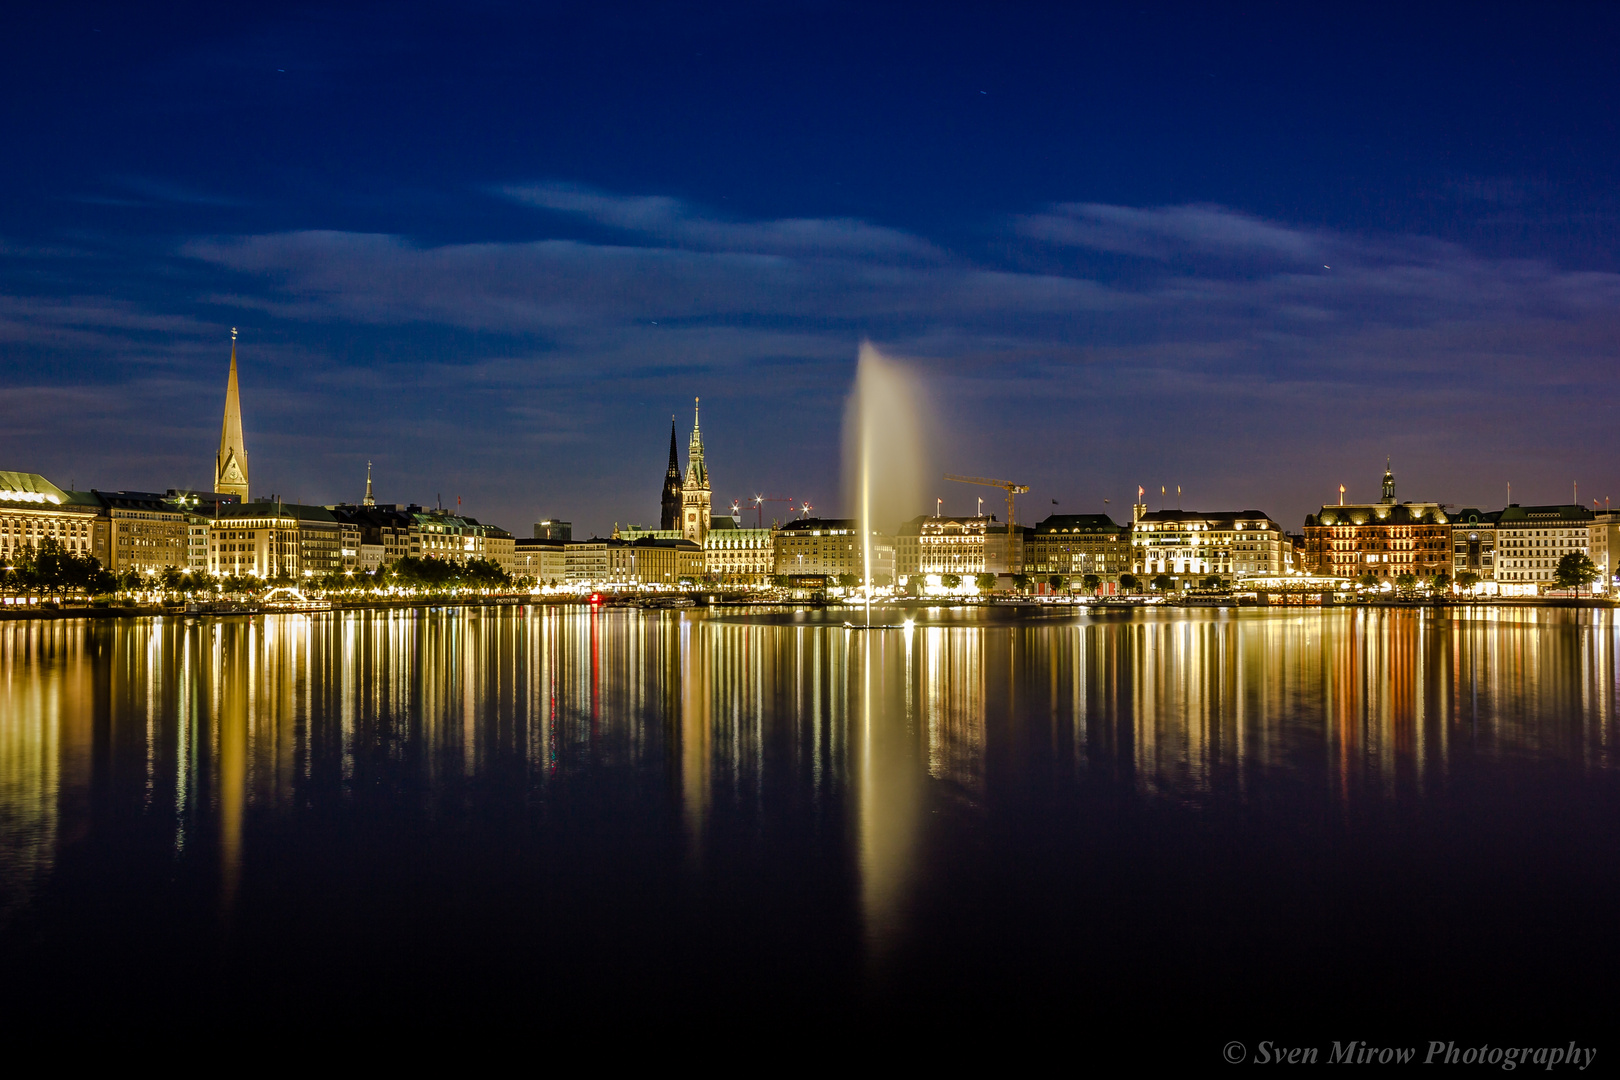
1006,485
761,500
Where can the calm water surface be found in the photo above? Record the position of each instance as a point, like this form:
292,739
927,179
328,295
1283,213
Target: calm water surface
1219,824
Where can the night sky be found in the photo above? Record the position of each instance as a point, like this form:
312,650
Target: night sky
1247,250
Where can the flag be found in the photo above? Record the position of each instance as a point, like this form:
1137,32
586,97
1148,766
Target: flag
1054,501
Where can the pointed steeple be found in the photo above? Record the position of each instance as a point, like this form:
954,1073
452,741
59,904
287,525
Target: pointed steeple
231,466
368,500
1388,497
695,491
697,474
669,508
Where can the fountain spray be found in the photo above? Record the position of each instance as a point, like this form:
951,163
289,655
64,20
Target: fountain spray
886,448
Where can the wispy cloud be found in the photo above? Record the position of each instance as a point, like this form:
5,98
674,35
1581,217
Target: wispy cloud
1168,232
678,223
1281,343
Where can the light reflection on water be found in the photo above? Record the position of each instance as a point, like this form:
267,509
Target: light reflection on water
214,726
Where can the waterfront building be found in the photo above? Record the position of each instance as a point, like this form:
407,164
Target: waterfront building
552,529
317,536
1384,539
196,543
254,540
321,541
908,549
585,562
352,557
542,560
458,538
1294,553
1473,545
1190,545
828,547
199,508
600,563
1604,548
1531,539
662,563
695,493
1074,545
231,463
33,510
669,513
385,533
735,555
968,546
149,533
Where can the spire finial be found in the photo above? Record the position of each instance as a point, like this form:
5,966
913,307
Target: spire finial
233,333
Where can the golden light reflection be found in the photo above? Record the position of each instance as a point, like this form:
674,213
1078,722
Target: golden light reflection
214,724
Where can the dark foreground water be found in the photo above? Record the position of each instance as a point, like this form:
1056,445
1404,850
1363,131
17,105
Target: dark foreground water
1116,833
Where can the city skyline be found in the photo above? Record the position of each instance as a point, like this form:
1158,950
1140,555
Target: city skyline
232,445
1151,247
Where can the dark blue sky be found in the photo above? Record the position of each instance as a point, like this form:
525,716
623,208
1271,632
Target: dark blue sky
1250,250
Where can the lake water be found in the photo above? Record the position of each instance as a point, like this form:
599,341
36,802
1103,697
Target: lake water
1353,824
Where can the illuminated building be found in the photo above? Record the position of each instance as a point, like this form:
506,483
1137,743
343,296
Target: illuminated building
827,547
695,490
585,562
1604,548
1074,545
231,464
664,563
541,560
148,532
735,555
968,546
381,534
552,529
1190,545
1384,539
636,532
1531,539
254,539
908,549
1473,545
600,563
33,510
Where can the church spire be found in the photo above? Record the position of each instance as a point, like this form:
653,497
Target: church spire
231,466
669,511
695,491
697,474
369,500
1388,497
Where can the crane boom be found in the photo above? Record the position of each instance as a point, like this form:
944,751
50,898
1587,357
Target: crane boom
1006,485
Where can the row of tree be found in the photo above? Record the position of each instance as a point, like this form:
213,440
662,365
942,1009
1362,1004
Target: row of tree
50,570
1574,571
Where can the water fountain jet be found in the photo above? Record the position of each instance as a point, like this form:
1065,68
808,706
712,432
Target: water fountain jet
886,447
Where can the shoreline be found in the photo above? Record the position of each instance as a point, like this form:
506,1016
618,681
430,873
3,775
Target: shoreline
704,601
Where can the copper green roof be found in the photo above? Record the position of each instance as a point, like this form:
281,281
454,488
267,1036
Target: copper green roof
30,489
